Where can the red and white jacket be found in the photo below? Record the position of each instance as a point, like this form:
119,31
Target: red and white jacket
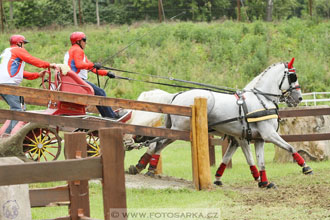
78,62
12,62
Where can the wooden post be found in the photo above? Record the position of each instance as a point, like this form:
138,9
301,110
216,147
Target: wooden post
202,145
76,147
211,151
114,192
194,157
238,10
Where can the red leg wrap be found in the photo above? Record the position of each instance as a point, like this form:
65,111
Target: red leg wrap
220,170
299,159
254,172
154,160
145,159
263,176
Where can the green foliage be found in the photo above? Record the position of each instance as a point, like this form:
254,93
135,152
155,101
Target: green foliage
41,13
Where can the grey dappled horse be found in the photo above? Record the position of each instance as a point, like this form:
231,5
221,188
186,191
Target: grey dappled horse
249,115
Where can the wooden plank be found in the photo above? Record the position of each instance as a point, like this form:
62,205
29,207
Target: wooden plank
78,169
114,192
44,102
202,143
47,196
62,121
304,112
306,137
94,100
75,148
216,141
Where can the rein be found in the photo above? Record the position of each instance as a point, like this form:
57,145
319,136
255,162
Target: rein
222,89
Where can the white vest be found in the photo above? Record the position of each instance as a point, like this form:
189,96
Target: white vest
5,77
82,73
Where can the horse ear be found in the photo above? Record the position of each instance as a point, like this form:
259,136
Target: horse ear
291,63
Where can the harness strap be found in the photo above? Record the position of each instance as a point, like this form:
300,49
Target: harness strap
226,121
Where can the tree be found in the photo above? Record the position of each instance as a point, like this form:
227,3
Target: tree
74,12
97,13
269,10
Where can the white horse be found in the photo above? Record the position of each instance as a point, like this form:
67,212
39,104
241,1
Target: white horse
250,115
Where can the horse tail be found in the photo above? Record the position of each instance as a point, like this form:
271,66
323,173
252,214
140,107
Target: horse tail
168,121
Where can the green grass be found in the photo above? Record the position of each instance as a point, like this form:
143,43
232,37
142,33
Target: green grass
297,197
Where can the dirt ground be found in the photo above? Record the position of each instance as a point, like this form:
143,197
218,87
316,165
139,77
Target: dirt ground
290,190
158,182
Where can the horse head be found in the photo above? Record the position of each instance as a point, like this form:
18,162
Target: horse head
278,83
289,86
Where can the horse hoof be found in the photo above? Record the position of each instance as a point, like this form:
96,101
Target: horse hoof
150,173
267,185
133,170
218,183
307,170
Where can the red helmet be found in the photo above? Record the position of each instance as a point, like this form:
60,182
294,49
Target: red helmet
16,39
76,36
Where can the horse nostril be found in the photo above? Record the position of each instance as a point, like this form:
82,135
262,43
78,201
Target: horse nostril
300,98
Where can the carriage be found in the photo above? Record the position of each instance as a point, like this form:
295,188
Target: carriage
45,143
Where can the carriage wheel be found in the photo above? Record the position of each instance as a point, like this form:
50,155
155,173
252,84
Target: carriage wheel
93,144
42,144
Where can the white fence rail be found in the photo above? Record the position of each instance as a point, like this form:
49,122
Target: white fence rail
317,98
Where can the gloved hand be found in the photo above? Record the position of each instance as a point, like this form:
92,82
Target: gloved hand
97,66
111,75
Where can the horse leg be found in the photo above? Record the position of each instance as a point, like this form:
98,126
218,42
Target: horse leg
264,183
144,160
141,165
232,147
249,159
270,135
155,151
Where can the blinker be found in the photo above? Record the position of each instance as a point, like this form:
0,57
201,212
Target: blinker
292,76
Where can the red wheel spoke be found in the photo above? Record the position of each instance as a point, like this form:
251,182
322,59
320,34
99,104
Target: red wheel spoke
50,153
30,139
42,153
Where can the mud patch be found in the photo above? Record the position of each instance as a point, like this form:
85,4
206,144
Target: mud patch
291,192
157,182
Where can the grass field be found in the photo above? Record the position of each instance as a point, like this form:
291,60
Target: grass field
297,196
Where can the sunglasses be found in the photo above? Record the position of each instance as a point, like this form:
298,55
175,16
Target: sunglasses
84,39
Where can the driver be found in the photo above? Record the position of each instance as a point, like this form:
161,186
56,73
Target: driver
12,62
78,62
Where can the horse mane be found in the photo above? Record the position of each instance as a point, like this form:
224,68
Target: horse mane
255,80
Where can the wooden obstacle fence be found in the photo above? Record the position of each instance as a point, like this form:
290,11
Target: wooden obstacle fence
77,170
197,136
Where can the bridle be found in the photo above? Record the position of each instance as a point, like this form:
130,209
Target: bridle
290,74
